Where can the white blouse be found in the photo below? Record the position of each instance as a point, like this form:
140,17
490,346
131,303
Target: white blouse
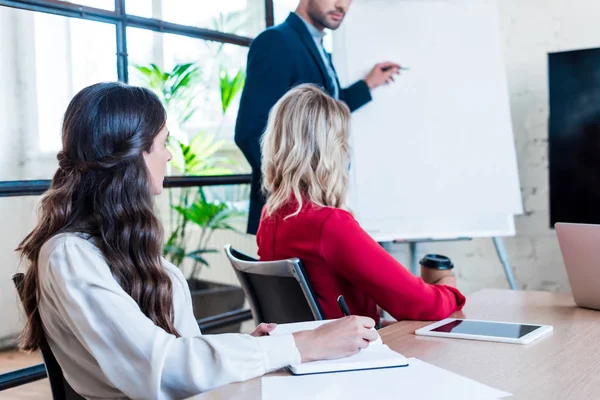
109,349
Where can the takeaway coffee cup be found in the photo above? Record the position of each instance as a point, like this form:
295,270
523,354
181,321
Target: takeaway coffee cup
434,267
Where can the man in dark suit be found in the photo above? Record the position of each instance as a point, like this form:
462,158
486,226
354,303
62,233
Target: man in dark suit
285,56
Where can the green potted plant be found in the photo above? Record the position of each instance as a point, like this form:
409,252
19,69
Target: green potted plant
195,214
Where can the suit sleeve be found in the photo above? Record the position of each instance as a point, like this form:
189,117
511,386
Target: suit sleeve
356,95
269,75
362,261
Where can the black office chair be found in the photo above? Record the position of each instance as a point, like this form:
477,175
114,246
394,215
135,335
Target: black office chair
278,291
61,390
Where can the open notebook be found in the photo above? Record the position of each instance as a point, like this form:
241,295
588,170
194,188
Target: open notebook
377,355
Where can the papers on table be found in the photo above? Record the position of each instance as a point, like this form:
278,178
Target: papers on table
419,380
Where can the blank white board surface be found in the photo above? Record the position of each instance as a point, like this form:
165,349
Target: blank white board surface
433,153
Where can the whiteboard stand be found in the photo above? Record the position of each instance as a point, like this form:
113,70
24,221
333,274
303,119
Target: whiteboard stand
503,256
414,263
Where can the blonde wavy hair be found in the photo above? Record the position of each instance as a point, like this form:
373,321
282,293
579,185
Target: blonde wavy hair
306,151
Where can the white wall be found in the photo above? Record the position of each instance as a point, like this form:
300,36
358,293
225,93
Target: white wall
8,160
16,214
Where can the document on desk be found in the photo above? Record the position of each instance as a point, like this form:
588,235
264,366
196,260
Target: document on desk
376,355
419,380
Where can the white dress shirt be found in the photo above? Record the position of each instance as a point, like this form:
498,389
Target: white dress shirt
318,36
108,349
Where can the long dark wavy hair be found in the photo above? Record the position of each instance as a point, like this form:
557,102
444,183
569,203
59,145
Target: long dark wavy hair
103,188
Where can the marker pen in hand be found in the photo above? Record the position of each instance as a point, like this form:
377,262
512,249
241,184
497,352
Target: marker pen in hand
400,69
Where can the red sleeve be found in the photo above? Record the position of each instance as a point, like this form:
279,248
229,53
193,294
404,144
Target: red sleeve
348,249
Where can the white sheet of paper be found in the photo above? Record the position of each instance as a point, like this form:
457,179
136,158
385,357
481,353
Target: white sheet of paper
419,380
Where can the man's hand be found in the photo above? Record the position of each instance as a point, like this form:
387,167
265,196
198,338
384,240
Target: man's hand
382,73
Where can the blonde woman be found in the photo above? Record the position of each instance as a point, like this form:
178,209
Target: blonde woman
306,155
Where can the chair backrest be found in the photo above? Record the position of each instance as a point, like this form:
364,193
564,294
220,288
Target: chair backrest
278,291
61,390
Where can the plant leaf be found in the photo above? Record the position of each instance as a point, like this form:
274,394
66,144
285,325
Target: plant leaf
177,150
198,259
230,87
202,251
174,253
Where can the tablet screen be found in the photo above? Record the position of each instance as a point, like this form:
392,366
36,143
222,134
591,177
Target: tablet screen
496,329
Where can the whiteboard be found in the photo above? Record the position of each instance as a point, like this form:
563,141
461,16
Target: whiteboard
433,154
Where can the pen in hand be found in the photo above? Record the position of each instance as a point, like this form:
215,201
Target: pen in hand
343,306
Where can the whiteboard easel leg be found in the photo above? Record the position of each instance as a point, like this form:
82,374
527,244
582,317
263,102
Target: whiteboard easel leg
387,246
503,256
414,265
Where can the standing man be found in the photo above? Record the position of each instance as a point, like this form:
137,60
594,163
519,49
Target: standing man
285,56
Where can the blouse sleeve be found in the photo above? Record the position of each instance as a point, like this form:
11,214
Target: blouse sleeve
360,259
136,356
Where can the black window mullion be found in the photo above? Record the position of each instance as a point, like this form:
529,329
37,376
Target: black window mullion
38,187
185,30
122,57
94,14
121,20
269,14
63,9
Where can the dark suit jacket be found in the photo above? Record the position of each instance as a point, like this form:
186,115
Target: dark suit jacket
280,58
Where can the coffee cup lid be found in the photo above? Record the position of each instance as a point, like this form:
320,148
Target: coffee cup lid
436,261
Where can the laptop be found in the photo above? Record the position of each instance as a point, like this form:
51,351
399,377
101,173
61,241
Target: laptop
580,247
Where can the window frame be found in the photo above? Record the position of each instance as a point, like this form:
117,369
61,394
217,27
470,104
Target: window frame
121,20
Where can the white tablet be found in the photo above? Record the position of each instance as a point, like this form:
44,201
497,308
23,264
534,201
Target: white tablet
493,331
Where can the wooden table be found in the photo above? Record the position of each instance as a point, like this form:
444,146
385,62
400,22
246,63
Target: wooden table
562,365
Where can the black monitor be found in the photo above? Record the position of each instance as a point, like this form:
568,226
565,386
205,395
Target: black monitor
574,136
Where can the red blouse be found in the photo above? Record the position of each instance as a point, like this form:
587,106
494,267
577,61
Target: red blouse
340,258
